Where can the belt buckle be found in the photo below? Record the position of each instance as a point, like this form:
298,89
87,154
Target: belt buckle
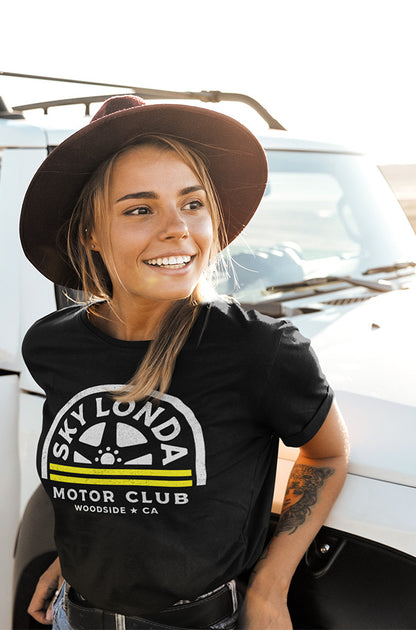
232,585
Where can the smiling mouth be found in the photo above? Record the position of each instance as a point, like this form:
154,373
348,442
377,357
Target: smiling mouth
170,262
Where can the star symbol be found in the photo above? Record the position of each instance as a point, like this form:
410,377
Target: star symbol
133,510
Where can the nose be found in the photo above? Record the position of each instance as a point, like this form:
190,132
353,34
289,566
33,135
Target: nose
175,225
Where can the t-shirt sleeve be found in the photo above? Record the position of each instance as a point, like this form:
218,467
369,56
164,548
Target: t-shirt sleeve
32,354
296,396
38,351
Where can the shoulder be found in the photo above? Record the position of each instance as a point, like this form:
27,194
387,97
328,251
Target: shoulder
231,317
51,327
268,344
260,334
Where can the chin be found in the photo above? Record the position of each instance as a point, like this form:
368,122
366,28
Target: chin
171,295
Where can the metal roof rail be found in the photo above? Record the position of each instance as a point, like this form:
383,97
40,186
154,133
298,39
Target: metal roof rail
213,96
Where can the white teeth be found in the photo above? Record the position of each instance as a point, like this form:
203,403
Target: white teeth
168,261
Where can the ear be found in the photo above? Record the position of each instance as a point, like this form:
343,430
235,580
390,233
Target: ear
92,243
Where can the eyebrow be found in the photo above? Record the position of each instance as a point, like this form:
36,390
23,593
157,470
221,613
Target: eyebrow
148,194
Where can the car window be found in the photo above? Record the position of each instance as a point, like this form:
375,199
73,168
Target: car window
304,209
322,214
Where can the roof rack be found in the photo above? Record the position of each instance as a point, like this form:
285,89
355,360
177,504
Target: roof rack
213,96
6,112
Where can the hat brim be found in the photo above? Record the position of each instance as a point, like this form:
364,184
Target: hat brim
236,162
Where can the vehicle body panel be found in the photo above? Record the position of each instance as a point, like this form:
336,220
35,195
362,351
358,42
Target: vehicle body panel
9,490
371,368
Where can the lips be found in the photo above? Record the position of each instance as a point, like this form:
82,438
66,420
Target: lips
169,262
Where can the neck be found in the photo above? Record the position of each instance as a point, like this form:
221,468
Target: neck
129,321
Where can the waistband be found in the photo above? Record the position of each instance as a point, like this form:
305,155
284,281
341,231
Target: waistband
203,612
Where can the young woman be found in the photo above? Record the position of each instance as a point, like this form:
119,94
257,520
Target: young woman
164,402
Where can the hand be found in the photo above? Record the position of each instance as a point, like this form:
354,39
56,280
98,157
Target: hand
259,613
40,607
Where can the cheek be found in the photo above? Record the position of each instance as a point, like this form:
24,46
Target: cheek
127,243
206,234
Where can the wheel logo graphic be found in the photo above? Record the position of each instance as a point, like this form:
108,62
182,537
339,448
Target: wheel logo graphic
109,443
93,436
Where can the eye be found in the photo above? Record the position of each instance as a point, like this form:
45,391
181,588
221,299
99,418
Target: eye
138,210
193,205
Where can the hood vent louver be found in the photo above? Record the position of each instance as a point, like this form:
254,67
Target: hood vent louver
346,301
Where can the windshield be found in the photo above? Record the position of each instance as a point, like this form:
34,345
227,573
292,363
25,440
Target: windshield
322,214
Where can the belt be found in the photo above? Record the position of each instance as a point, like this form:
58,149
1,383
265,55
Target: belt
200,613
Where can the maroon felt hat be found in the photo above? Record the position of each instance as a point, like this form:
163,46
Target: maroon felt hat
235,160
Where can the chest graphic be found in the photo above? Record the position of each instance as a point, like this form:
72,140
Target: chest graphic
97,441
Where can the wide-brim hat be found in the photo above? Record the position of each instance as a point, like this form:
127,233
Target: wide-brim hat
235,159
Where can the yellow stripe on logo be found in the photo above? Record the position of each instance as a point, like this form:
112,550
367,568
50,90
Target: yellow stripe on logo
180,483
121,471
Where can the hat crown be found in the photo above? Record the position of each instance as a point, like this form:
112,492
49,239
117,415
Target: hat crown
117,104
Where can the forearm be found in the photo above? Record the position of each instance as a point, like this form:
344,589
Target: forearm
312,489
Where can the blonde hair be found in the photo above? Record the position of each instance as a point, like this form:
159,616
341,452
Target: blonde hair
92,212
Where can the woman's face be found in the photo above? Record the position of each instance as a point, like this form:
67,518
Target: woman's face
160,226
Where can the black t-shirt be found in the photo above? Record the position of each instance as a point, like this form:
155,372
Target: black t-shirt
158,502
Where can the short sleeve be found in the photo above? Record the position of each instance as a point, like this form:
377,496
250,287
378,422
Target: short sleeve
296,397
43,345
34,348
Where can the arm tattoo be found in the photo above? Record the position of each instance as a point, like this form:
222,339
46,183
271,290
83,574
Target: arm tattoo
303,488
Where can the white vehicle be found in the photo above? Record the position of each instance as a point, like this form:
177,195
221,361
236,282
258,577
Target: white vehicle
330,249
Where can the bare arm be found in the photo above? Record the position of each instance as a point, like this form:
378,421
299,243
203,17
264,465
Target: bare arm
314,484
40,606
